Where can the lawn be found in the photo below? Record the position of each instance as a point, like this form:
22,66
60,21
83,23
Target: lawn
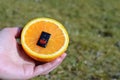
93,27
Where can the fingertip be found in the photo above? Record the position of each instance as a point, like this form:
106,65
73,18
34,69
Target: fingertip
63,55
61,58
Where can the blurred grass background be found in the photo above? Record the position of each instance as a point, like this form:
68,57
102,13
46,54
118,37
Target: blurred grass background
93,27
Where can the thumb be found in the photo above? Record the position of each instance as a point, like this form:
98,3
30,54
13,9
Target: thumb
13,31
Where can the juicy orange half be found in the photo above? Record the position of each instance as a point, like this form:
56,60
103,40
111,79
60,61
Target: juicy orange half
48,49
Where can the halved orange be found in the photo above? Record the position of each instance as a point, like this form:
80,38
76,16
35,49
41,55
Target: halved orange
55,46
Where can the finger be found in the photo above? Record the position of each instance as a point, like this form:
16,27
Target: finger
62,58
46,68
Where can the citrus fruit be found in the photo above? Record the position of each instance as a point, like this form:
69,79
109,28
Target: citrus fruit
44,39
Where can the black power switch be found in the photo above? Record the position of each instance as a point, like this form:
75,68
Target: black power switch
43,40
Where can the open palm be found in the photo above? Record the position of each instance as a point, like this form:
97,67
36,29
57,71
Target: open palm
14,63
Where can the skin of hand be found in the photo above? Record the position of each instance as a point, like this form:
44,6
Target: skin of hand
15,64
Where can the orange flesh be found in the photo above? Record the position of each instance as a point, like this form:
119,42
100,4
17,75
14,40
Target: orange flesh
55,42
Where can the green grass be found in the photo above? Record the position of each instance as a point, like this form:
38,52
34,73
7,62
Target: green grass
93,27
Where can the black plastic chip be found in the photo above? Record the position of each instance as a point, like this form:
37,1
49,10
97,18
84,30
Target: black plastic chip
43,40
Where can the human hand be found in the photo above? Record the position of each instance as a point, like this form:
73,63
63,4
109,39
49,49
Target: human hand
15,64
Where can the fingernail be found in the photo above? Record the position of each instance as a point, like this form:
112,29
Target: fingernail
64,55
